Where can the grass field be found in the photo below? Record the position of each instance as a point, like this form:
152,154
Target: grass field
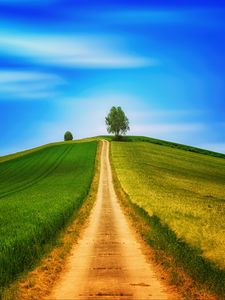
133,138
39,191
184,190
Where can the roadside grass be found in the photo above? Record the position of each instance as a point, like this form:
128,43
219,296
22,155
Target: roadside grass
152,232
41,191
181,195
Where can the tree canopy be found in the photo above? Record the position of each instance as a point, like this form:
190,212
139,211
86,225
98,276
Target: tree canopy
117,122
68,136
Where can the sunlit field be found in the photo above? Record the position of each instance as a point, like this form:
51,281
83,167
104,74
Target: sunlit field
185,190
39,192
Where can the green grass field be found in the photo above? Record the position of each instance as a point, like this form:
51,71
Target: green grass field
184,189
39,191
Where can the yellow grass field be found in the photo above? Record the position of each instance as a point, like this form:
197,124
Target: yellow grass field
185,190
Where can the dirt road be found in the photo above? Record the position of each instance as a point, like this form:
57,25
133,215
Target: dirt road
108,262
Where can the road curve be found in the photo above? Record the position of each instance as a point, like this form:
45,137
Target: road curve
107,262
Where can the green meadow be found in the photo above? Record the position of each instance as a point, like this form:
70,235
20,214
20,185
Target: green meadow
178,189
40,190
184,190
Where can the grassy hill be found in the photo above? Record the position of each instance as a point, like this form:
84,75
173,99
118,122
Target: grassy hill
183,192
177,189
164,143
39,191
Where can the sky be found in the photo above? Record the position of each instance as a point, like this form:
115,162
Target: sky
65,63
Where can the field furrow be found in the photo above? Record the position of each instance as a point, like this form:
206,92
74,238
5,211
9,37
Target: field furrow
37,201
22,173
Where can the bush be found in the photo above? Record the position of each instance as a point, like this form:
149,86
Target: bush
68,136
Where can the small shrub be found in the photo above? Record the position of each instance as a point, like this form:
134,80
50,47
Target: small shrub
68,136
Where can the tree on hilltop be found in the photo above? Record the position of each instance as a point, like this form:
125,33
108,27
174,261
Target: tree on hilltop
68,136
117,122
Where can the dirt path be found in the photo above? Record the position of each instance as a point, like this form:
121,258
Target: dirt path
108,263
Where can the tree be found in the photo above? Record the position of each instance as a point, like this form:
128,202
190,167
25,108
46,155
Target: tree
117,122
68,136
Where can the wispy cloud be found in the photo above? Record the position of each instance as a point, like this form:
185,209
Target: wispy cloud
165,114
73,51
162,128
28,84
19,76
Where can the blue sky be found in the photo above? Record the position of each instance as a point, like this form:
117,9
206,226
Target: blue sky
63,64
